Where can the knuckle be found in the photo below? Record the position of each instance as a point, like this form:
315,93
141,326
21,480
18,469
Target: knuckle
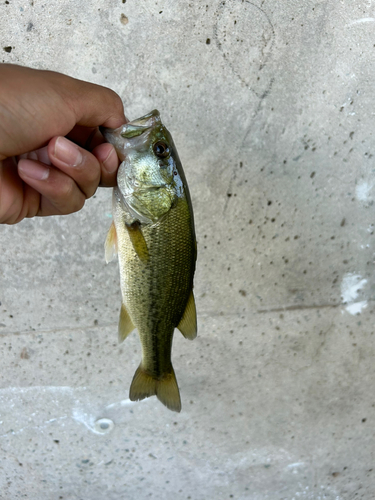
69,199
85,177
117,100
113,98
77,201
89,175
66,189
78,204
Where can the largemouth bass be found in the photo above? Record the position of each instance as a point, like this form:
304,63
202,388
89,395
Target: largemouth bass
153,234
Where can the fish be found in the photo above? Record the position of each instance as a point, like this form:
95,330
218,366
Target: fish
153,235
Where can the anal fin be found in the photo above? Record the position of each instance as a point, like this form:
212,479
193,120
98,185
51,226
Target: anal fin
125,325
110,245
188,323
138,240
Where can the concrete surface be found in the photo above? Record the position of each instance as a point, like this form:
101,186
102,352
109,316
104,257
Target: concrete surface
271,106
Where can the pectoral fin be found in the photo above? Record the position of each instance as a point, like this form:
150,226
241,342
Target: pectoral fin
138,240
125,325
110,245
188,323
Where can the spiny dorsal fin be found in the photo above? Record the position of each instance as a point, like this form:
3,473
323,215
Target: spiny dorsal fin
138,240
188,323
110,245
125,325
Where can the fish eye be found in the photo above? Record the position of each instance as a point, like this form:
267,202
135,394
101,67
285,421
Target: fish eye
161,149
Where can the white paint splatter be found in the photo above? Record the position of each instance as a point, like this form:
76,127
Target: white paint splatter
297,464
296,467
356,307
124,402
362,190
350,288
40,427
38,388
360,21
89,421
78,414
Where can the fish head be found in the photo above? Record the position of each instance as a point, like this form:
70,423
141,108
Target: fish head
149,175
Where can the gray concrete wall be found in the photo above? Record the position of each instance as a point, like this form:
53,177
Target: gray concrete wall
271,105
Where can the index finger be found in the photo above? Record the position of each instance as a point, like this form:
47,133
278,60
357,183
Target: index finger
38,105
93,104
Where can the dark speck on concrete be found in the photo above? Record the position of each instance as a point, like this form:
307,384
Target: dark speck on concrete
124,19
24,354
7,49
30,26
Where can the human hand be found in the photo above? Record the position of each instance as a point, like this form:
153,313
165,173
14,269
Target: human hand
52,155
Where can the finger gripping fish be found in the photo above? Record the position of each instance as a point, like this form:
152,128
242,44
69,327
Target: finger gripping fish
153,234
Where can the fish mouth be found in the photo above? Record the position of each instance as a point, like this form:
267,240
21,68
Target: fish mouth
104,130
141,125
133,128
107,133
131,135
148,120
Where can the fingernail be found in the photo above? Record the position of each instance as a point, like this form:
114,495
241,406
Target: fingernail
67,152
110,163
33,170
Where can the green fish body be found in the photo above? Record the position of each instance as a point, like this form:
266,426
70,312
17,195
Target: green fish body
153,234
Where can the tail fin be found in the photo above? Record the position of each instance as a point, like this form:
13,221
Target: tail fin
165,388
